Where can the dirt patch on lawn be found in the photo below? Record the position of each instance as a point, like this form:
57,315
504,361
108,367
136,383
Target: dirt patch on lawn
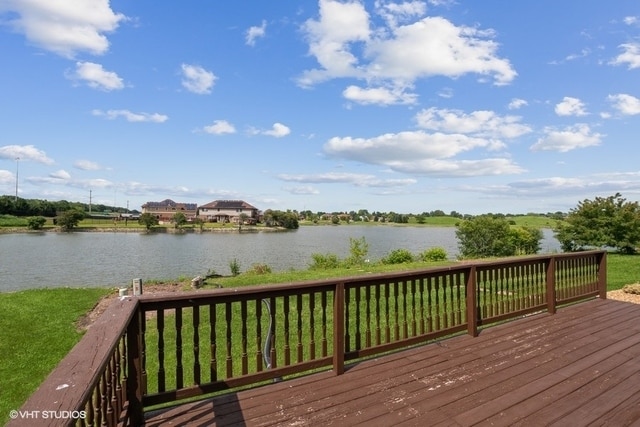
152,289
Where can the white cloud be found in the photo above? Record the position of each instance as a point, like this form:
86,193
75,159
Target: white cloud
477,123
357,179
255,32
220,127
625,104
24,153
131,116
394,13
302,190
570,107
61,175
197,80
87,165
631,20
64,27
278,130
96,77
345,45
517,103
378,95
422,153
570,138
7,177
630,56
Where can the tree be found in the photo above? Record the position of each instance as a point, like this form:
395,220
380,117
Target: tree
603,222
179,219
148,220
70,219
486,236
36,222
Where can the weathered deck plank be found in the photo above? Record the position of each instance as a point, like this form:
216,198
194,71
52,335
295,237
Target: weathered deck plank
579,366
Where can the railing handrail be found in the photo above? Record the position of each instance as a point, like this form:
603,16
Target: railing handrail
72,384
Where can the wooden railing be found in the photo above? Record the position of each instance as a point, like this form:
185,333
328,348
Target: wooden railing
151,350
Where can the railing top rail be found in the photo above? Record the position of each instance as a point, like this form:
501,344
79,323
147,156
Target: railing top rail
72,381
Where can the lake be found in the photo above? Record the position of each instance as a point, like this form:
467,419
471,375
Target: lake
96,259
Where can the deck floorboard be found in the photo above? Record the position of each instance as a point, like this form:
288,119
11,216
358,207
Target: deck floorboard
580,366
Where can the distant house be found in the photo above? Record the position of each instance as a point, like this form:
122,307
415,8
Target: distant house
166,209
229,211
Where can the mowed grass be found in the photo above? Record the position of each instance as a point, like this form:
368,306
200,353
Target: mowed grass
37,329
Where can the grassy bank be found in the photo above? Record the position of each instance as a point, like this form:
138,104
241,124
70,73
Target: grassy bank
37,327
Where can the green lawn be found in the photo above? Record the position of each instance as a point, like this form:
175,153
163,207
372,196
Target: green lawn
37,329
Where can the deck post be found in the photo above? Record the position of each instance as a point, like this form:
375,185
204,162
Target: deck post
338,329
472,303
134,369
551,285
602,274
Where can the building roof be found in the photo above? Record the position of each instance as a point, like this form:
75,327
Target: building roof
228,204
170,203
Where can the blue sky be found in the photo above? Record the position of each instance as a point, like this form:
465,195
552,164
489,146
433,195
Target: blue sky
492,106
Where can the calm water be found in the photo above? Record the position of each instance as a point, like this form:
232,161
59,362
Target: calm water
111,259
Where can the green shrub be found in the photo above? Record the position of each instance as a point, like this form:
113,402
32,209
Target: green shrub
324,261
434,254
358,250
234,266
398,256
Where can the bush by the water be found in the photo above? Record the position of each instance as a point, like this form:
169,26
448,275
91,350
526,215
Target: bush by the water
434,254
398,256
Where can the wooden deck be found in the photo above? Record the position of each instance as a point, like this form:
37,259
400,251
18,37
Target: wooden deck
578,367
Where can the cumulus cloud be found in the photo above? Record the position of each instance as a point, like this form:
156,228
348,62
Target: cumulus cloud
478,123
25,152
517,103
345,44
64,27
87,165
255,32
62,175
131,116
302,190
96,77
625,104
197,80
420,152
278,131
220,127
570,107
570,138
378,95
629,57
357,179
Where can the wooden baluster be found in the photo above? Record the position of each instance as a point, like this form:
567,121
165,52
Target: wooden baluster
196,345
387,328
396,311
312,330
459,304
104,398
325,350
229,356
116,400
274,353
405,313
429,304
244,357
179,361
367,331
161,370
287,346
213,364
259,344
299,326
414,324
347,323
421,305
143,352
